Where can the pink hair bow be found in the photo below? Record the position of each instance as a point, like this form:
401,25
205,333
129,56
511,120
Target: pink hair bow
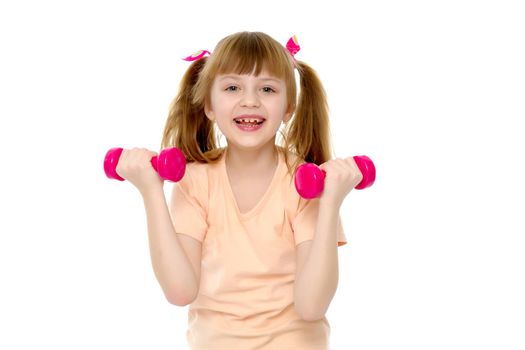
197,55
292,46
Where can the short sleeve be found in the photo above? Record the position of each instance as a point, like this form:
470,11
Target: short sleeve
305,222
189,202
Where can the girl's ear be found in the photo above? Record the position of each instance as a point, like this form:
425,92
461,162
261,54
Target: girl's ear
208,111
288,114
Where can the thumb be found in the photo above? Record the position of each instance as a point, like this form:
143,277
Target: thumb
323,167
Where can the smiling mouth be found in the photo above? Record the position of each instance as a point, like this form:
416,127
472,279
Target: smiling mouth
242,122
249,120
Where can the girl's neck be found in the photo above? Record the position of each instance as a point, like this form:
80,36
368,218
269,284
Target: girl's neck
251,163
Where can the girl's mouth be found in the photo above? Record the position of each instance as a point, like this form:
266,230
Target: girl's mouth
249,124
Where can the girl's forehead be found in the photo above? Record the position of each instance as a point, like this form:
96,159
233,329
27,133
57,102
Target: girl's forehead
263,76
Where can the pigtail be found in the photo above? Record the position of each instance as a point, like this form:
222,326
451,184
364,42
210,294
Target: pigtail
187,126
309,132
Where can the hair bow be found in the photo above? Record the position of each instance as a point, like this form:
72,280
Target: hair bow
197,55
293,46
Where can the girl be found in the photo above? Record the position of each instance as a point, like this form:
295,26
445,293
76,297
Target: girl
256,263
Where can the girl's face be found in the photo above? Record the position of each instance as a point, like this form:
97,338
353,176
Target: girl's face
248,97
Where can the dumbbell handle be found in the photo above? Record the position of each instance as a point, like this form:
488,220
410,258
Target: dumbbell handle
309,178
170,164
368,170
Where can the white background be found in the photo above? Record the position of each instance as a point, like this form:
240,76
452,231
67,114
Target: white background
432,91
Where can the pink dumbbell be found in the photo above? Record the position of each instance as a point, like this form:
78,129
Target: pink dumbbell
170,164
309,178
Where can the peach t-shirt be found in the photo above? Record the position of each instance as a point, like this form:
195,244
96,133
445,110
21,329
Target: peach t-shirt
245,300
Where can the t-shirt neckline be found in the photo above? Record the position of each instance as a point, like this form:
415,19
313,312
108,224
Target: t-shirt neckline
263,199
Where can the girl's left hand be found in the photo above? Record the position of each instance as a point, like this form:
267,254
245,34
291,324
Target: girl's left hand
342,175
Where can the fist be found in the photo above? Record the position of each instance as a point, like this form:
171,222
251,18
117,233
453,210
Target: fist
135,166
341,176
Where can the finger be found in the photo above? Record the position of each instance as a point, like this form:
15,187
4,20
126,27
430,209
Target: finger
353,164
149,154
341,165
350,161
152,153
123,156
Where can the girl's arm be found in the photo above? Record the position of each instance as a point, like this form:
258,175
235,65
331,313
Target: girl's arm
317,271
172,266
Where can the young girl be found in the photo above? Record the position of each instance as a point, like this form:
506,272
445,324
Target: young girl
256,263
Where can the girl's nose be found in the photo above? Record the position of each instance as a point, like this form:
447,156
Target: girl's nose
250,99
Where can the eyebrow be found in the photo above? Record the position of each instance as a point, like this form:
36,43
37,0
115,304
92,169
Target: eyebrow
264,78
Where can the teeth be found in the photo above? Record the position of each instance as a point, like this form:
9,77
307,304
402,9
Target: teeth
249,120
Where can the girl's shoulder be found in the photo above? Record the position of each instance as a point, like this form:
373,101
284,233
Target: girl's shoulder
204,172
202,162
291,160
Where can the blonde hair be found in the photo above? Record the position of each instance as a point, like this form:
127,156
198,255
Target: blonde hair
307,134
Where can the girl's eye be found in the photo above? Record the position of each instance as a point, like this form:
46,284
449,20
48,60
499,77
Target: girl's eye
236,88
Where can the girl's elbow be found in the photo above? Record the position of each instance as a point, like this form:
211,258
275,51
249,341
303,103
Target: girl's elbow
311,317
308,315
178,299
175,300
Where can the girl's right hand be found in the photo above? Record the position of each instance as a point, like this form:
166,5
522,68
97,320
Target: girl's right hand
135,166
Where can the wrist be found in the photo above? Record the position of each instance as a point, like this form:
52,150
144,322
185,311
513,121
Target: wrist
327,204
152,191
